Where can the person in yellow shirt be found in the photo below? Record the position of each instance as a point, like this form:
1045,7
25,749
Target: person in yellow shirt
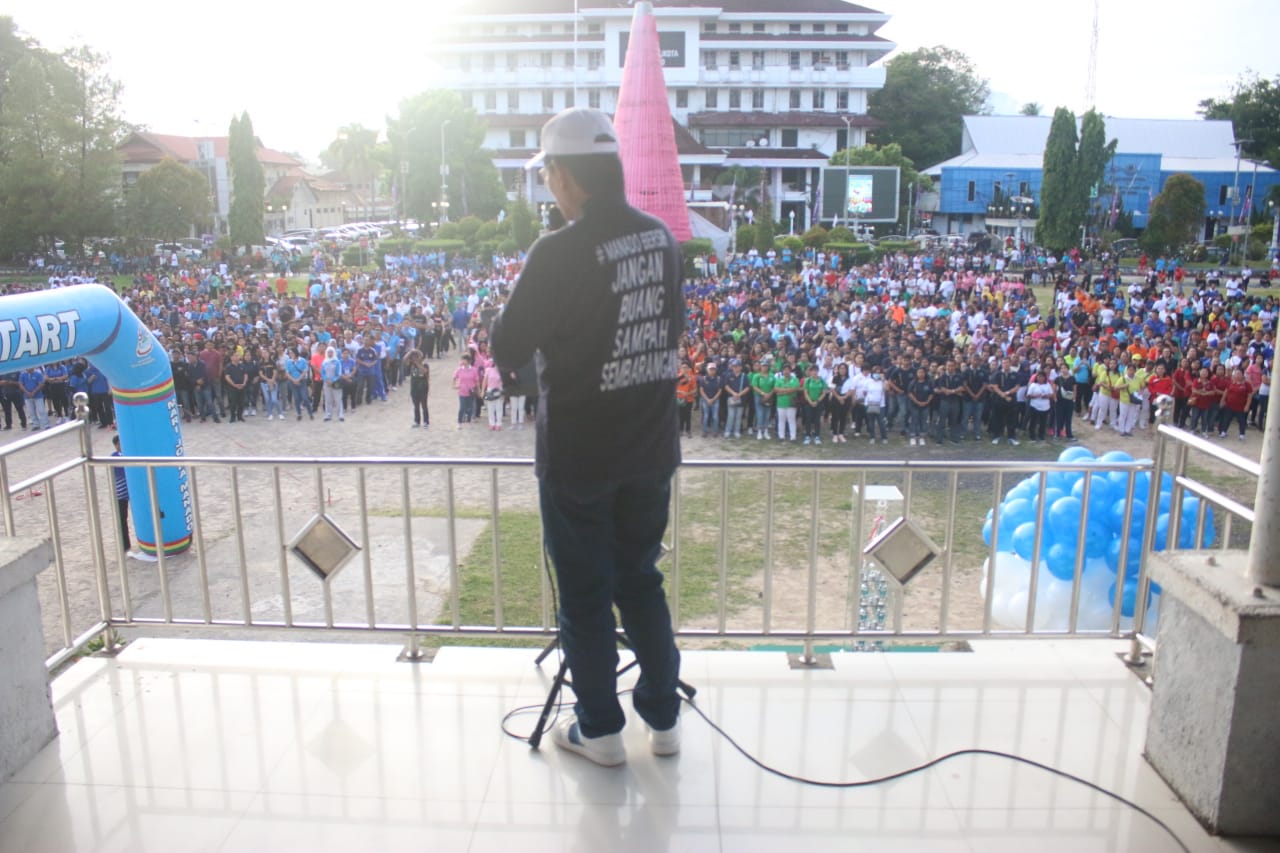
1100,405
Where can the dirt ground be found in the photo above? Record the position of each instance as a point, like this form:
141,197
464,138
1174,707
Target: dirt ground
377,584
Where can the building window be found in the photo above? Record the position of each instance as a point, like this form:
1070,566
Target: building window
795,99
757,99
842,28
569,99
548,100
790,138
973,191
997,190
593,99
793,60
735,28
511,29
842,60
682,99
515,138
819,28
595,58
545,29
736,137
713,99
464,62
819,99
735,99
842,100
568,59
1224,193
735,60
491,102
758,29
513,101
757,60
708,28
709,60
546,59
593,29
1024,188
487,62
512,59
794,29
820,60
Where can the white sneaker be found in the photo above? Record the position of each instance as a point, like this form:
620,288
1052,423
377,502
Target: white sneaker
1014,442
665,742
606,750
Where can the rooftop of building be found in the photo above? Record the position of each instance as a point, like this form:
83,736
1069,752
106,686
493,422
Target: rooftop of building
567,7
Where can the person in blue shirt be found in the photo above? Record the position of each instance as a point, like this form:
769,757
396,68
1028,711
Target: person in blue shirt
32,382
99,397
298,373
348,380
367,366
122,498
12,398
57,392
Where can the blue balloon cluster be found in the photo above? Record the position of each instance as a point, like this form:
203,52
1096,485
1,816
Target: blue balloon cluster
1060,517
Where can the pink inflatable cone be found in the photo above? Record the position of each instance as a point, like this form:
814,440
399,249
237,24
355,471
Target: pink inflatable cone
646,137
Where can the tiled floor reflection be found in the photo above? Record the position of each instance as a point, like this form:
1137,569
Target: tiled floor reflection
230,746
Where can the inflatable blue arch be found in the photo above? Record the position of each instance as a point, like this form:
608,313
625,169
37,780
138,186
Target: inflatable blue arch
90,320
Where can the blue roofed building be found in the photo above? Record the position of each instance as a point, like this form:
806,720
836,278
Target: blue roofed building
994,183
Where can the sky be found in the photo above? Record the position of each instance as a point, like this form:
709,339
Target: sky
302,72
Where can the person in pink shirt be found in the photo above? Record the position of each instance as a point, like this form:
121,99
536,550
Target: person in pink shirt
467,380
491,387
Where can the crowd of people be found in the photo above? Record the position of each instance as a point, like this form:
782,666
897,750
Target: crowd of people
929,347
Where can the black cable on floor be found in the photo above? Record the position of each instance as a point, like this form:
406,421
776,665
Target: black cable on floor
880,780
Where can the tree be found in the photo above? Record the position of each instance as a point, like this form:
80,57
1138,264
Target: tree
1254,111
167,201
59,127
353,153
248,184
1070,172
1177,215
1031,108
926,94
524,224
416,135
888,155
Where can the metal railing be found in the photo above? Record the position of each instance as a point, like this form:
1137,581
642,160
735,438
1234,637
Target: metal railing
757,551
1180,445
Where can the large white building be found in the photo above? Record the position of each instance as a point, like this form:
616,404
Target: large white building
776,84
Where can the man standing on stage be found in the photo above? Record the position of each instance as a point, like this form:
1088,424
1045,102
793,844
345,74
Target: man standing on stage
600,302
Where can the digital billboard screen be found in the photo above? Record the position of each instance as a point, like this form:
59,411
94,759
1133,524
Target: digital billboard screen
865,193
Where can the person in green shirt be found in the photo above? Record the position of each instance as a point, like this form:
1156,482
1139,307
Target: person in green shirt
762,383
785,389
813,395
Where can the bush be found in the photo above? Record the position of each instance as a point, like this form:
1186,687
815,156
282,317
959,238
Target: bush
697,246
450,231
816,237
508,247
841,234
792,242
745,238
439,245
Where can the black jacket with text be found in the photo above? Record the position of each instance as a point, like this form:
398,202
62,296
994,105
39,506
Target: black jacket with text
601,303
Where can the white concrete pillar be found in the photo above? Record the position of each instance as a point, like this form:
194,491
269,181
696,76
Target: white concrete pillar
26,707
1264,545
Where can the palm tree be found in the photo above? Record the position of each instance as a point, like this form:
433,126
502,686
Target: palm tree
352,153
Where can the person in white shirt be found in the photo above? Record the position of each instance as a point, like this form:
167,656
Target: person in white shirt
870,390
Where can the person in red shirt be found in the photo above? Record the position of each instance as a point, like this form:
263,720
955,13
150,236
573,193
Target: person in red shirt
1235,403
1203,398
1159,384
1217,414
1183,377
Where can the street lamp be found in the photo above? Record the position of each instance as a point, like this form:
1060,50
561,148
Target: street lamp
444,176
848,139
739,210
1275,229
791,214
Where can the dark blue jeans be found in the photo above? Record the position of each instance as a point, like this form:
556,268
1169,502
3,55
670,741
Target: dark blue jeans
604,540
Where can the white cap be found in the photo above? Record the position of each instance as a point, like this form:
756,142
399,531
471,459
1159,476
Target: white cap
575,132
